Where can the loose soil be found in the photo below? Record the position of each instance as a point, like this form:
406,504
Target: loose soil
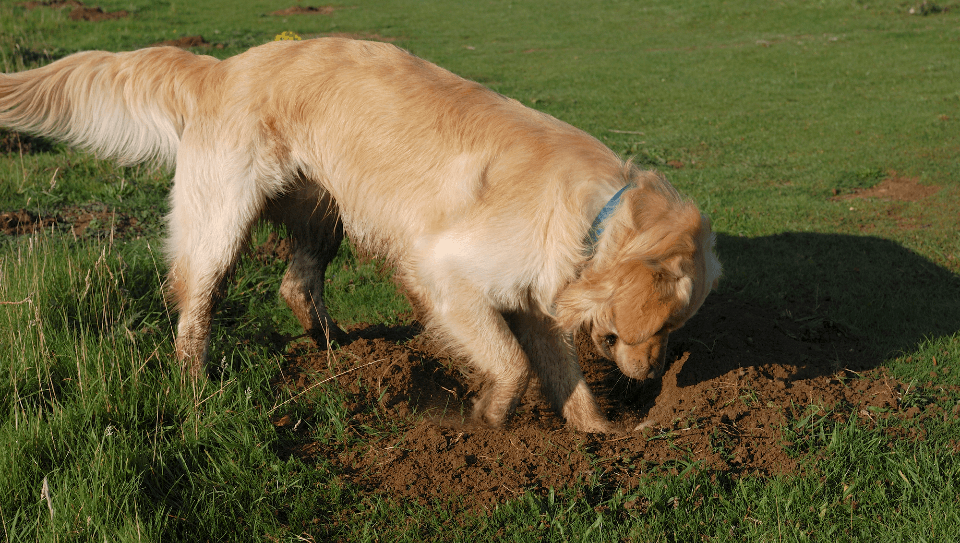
740,374
78,11
895,187
96,14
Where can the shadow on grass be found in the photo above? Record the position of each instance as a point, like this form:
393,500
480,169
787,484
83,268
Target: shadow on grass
817,303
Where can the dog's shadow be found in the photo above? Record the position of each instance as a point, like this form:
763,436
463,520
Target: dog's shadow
817,303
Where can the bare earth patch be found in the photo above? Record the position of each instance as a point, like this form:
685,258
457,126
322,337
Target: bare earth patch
306,10
89,220
78,11
95,14
722,404
895,187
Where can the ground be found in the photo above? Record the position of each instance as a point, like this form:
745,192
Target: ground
740,373
723,404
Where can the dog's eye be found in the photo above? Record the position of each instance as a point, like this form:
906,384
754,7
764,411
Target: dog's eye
610,340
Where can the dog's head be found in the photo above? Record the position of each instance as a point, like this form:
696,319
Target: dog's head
653,268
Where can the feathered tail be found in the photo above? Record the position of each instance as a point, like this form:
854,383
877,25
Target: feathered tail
128,106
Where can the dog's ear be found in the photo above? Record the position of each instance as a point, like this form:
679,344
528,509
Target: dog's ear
648,295
671,277
662,225
586,301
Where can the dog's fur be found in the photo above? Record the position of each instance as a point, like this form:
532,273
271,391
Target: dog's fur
481,204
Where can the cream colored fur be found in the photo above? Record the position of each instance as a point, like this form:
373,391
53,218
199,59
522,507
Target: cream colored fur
483,205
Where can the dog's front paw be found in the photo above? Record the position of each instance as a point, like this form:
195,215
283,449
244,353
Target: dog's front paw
492,414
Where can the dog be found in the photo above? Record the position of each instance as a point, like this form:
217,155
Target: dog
509,229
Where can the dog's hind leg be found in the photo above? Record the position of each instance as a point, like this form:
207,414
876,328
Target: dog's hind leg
315,232
212,211
554,360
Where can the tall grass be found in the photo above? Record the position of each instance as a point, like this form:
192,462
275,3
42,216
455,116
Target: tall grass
95,408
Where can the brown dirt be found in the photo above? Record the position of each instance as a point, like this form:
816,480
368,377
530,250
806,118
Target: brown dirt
306,10
18,223
895,187
53,4
740,374
90,220
84,13
78,11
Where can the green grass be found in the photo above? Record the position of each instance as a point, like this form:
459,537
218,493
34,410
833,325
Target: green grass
769,107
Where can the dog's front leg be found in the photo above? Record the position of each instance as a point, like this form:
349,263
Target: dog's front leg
474,328
561,379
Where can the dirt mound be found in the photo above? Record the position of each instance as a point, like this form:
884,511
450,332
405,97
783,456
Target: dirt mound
739,375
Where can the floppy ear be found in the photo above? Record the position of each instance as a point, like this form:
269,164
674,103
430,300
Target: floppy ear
648,295
584,302
670,278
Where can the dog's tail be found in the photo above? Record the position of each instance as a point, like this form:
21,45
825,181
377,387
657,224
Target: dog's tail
128,106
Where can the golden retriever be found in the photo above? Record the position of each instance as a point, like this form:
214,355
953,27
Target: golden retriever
485,207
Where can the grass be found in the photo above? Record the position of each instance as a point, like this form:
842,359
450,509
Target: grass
759,111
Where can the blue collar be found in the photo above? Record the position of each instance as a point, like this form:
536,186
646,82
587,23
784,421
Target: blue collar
593,236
